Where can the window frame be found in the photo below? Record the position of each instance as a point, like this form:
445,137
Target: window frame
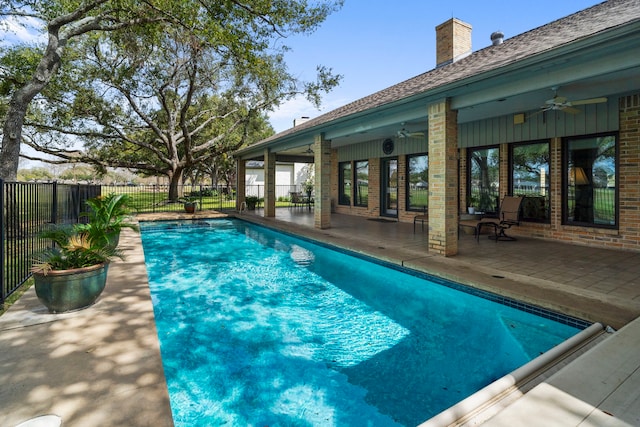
356,180
469,166
341,183
407,188
512,148
565,182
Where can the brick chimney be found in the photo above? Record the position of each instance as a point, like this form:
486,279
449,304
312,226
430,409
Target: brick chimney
453,41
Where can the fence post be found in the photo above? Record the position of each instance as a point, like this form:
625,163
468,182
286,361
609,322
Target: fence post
77,203
54,203
3,291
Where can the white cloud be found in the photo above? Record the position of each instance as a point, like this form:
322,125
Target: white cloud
25,30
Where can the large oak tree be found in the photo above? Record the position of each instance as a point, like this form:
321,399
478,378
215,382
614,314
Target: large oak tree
243,39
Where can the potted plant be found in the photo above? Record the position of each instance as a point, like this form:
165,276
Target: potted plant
308,187
252,202
72,273
473,204
190,206
110,213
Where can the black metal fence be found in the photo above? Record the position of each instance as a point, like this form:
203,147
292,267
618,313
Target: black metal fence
155,198
27,208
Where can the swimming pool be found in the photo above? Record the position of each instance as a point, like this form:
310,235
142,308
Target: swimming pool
260,328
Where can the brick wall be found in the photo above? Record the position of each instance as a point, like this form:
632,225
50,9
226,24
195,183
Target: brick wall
324,164
627,236
462,189
443,179
269,183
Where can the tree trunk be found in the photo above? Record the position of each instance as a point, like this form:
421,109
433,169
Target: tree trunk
12,130
175,187
11,137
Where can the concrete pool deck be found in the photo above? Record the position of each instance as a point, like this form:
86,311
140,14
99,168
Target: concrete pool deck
101,366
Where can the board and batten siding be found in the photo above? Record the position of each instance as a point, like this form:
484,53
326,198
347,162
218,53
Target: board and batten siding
594,118
373,149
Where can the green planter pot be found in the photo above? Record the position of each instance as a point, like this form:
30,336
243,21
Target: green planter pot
190,207
67,290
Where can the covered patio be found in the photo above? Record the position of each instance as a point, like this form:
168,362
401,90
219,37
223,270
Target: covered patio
550,114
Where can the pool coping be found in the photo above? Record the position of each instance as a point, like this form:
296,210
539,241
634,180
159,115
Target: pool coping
488,401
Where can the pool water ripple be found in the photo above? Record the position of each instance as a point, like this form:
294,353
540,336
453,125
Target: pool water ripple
261,329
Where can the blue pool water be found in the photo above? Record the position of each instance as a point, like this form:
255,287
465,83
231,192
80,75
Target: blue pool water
260,329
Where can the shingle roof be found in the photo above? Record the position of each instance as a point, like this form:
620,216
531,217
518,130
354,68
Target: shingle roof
603,16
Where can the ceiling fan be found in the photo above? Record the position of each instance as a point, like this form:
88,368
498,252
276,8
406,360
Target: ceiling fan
309,150
403,133
560,103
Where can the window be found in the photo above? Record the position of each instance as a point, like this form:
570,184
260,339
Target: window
344,196
362,184
530,178
417,182
590,192
484,179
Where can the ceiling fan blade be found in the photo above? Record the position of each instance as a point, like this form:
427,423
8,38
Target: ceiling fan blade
540,111
556,100
570,110
589,101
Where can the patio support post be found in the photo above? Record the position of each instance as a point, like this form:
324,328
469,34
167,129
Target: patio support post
322,164
241,182
269,183
443,178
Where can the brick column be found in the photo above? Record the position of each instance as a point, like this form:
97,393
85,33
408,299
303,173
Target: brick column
443,179
556,173
241,182
629,174
504,172
269,183
322,163
462,193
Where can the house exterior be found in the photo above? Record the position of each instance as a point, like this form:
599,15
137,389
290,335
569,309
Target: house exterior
288,177
552,114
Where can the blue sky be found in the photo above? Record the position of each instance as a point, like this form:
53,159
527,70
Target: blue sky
375,44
